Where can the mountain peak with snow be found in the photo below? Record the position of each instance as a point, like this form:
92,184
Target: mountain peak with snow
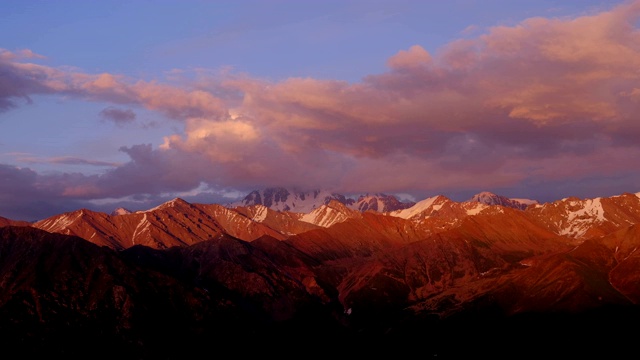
283,199
330,214
174,203
419,208
489,198
381,203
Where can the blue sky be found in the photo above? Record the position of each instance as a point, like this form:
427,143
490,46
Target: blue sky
132,103
335,39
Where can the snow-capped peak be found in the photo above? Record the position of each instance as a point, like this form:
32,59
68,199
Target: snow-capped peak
380,203
326,215
489,198
283,199
120,211
417,208
176,202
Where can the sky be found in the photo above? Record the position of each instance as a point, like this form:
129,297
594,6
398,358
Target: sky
107,104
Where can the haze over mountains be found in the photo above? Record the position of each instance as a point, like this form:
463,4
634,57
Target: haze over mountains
368,275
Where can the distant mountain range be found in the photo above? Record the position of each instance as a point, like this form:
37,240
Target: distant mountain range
283,199
282,271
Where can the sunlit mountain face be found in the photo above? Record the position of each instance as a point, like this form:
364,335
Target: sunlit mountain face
487,276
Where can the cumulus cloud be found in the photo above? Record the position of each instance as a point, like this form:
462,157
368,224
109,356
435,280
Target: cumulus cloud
545,101
416,56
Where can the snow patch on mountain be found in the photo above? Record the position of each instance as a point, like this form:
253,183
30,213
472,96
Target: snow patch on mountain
261,213
143,225
56,224
282,199
327,215
169,204
585,214
475,209
416,209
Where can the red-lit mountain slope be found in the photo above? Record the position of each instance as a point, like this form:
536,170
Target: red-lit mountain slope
428,277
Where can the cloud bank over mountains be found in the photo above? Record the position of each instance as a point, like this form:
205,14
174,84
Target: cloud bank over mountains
545,108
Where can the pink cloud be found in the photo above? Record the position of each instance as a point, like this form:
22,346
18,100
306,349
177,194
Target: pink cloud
415,57
542,101
24,79
6,55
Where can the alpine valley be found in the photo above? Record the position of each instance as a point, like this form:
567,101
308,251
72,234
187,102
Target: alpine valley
312,274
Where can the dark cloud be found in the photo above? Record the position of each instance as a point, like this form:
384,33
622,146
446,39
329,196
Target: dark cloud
118,116
26,195
68,160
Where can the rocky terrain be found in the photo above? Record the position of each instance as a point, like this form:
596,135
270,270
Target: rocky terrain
439,277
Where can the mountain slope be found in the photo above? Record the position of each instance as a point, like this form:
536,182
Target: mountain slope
8,222
174,223
181,277
586,218
64,295
329,214
428,277
482,246
623,245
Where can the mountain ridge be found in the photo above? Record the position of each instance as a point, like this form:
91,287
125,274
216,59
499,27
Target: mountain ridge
179,278
178,222
283,199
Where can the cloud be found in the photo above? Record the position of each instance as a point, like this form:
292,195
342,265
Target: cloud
416,56
547,101
27,195
118,116
67,160
22,79
18,80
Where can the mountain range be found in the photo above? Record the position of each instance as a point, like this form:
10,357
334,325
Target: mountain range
284,272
